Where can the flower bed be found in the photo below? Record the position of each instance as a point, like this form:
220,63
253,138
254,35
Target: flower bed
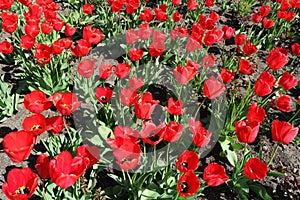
151,99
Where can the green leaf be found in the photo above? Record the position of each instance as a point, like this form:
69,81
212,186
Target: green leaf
260,190
147,194
232,157
237,146
274,173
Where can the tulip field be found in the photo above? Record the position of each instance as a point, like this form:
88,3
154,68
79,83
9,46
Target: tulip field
149,99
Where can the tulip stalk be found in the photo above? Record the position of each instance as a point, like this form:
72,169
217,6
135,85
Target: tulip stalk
273,154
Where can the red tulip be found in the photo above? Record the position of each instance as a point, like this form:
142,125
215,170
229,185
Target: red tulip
176,2
188,184
36,124
55,124
264,84
194,125
67,42
295,3
213,36
209,3
296,49
36,102
249,48
128,96
58,24
188,160
66,170
264,10
123,135
9,21
132,6
57,47
283,132
146,15
43,54
175,107
90,152
283,103
201,137
68,103
150,131
214,174
160,14
6,4
145,107
32,29
131,36
92,35
256,114
256,18
212,88
42,165
122,70
276,59
82,48
27,42
70,30
135,54
227,76
192,5
184,74
88,8
172,132
255,169
135,83
287,81
6,47
46,27
208,61
17,145
86,68
55,98
240,39
104,94
105,70
25,2
128,156
176,16
267,23
156,49
144,31
246,131
228,32
245,67
21,184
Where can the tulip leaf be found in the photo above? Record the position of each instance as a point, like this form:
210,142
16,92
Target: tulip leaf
274,173
147,194
260,190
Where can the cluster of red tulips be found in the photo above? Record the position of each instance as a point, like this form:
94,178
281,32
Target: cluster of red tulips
146,41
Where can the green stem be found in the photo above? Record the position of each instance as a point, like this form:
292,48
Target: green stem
294,115
167,157
154,157
273,154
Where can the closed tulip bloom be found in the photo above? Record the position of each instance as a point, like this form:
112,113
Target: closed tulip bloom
21,184
6,4
256,114
184,74
287,81
88,8
283,103
276,59
188,184
135,54
144,108
264,84
55,124
201,136
42,165
6,47
264,10
150,131
66,170
18,145
268,23
86,68
228,31
212,88
255,169
122,70
246,131
226,75
36,101
214,174
283,132
245,67
296,49
172,132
